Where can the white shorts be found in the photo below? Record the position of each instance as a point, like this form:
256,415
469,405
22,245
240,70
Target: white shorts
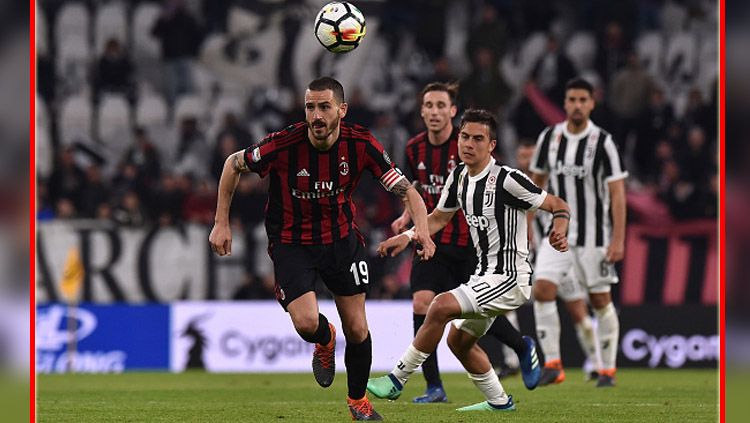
570,287
591,267
575,272
483,298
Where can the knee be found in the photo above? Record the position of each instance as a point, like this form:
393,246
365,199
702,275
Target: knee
600,301
421,301
356,332
457,342
441,308
577,310
306,325
544,290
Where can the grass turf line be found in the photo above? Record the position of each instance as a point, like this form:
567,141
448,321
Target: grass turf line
641,395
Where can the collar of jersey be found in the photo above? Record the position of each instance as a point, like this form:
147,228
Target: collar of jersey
483,173
581,134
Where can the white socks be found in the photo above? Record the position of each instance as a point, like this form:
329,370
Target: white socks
587,339
490,386
409,363
548,329
608,332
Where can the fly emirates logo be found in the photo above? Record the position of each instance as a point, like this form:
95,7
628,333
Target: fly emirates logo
322,189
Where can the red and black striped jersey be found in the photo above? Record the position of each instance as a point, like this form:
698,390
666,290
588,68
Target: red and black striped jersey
431,165
310,192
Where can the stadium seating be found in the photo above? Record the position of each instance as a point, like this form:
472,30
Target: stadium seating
680,57
42,35
650,47
188,105
110,21
44,151
113,128
226,103
72,64
516,68
242,21
151,110
581,50
144,45
75,120
73,19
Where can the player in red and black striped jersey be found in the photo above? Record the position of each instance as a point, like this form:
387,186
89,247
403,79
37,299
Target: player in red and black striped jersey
314,167
431,156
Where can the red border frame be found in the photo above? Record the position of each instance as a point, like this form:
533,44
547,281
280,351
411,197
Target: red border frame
722,205
32,211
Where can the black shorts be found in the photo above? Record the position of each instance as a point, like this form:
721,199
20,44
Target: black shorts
342,266
448,268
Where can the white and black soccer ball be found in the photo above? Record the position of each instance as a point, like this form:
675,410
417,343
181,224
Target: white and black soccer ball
340,26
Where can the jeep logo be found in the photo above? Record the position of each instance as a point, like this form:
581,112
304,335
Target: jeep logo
480,222
571,170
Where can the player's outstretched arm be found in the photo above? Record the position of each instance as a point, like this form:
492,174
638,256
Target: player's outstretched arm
560,219
221,234
616,248
418,212
397,243
402,222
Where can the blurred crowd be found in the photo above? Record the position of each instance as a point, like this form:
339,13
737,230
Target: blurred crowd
652,64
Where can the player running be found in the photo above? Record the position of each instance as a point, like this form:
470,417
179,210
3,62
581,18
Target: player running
494,200
431,156
314,167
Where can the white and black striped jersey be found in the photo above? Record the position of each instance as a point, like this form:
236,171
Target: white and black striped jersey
580,167
494,203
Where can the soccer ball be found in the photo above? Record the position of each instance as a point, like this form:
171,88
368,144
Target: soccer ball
339,26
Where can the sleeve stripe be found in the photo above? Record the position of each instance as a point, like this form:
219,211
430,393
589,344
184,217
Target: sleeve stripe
543,149
391,178
525,182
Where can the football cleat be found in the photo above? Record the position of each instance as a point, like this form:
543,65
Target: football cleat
361,409
606,379
552,373
432,394
531,371
387,387
324,361
485,406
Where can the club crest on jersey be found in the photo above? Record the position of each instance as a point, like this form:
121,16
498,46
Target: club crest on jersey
489,198
451,164
344,168
256,155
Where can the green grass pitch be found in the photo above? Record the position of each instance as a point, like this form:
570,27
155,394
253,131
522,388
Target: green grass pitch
641,396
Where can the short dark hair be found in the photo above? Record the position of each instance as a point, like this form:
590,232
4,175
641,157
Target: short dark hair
579,84
448,87
480,116
328,83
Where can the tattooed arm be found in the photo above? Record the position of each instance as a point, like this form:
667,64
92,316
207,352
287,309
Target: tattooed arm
418,212
221,234
402,222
